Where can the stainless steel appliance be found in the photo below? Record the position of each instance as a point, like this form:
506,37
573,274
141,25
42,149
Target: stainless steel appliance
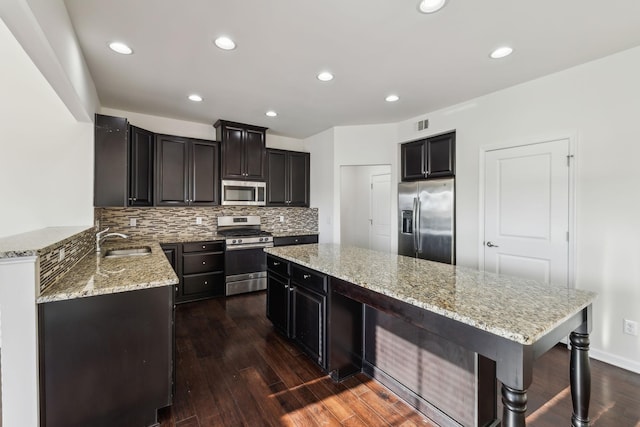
245,263
243,193
426,218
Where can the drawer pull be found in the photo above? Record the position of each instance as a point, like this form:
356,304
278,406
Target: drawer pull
276,263
204,262
206,283
286,286
204,247
306,276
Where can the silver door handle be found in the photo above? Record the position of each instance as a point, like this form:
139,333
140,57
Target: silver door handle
491,245
415,224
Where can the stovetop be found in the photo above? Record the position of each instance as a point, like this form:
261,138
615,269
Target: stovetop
244,233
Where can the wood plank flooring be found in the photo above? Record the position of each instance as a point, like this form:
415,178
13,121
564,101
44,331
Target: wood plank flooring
233,369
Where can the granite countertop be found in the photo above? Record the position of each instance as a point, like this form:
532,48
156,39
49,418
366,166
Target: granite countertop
37,242
97,275
518,309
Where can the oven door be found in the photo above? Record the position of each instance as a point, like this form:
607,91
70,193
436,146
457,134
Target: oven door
245,269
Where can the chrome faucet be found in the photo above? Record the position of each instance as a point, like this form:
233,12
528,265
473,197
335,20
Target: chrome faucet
100,235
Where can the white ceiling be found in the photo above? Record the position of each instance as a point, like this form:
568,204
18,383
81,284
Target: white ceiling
374,48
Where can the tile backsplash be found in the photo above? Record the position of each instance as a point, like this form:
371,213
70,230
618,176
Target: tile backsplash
52,267
182,220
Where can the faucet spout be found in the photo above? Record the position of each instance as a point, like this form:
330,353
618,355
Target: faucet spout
100,235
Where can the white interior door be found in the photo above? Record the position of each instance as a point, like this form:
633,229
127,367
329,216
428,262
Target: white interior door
380,217
526,218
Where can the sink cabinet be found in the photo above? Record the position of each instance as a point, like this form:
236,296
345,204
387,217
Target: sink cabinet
243,150
106,360
428,158
186,172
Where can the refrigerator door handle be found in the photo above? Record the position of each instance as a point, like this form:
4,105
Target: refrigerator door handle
416,230
417,225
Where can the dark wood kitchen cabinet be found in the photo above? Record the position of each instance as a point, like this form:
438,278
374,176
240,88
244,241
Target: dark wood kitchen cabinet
429,158
186,172
242,150
288,178
295,240
124,160
199,267
106,360
297,306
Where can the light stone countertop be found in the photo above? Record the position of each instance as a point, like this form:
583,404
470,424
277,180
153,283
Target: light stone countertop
97,275
36,242
518,309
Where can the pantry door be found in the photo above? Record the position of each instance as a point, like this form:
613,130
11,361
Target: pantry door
526,216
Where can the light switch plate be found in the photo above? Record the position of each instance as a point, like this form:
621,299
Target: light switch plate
133,222
198,220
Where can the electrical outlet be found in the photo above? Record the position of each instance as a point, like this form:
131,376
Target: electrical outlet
61,255
133,222
630,327
281,218
198,220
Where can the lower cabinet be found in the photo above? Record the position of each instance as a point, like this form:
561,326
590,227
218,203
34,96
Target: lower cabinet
200,269
106,360
297,306
295,240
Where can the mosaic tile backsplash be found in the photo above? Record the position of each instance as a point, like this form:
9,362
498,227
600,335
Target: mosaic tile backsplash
154,222
75,248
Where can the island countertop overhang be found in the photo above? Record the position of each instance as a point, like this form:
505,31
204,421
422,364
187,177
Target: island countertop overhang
517,309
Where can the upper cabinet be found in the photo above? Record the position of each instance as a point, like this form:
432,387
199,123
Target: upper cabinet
123,163
243,150
186,172
429,158
287,178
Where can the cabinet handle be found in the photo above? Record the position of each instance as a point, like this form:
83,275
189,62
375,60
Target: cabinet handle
276,263
204,262
206,283
204,247
306,276
286,286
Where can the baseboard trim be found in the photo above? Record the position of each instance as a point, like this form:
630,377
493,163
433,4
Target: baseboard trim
612,359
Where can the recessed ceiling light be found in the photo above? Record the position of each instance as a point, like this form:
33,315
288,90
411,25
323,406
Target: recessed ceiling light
392,98
225,43
195,98
325,76
120,48
501,52
431,6
271,113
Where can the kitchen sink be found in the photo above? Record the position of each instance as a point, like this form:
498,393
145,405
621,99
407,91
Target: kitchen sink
127,252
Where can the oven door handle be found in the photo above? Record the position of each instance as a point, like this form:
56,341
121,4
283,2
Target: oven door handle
249,246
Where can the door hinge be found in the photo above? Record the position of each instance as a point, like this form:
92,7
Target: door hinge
569,157
567,236
372,185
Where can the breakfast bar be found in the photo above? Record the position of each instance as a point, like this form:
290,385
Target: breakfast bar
508,322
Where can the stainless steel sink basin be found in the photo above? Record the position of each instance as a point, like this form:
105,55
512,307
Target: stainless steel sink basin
127,252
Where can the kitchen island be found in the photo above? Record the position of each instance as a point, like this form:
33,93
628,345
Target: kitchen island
506,320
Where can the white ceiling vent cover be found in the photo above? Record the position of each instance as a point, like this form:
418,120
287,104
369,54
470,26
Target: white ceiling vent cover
422,124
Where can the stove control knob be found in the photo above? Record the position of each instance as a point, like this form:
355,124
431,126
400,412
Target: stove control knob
234,241
260,239
239,240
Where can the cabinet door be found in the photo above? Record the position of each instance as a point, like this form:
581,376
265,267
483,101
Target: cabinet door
308,322
298,177
254,154
276,178
140,167
441,155
110,169
278,296
172,168
232,152
413,160
204,182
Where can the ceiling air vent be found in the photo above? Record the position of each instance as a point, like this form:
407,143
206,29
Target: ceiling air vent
422,124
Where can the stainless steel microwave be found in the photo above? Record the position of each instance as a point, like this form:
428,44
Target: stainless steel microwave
243,193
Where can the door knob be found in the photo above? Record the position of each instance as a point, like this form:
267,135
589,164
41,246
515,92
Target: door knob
491,245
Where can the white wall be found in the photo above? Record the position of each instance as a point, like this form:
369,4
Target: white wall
46,155
177,127
321,147
600,103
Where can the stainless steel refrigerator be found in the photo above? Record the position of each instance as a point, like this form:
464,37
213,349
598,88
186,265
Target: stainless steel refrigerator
426,218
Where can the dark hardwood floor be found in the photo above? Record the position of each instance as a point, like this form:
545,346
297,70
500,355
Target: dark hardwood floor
233,369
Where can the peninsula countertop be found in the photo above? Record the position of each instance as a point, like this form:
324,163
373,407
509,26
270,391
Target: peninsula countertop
518,309
97,275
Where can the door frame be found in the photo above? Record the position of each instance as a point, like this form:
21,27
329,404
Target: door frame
572,137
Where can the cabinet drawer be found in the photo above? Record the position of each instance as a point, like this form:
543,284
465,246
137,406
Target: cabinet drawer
202,263
295,240
203,247
204,283
278,265
309,279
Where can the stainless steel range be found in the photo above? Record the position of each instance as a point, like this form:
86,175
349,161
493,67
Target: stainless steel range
245,263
